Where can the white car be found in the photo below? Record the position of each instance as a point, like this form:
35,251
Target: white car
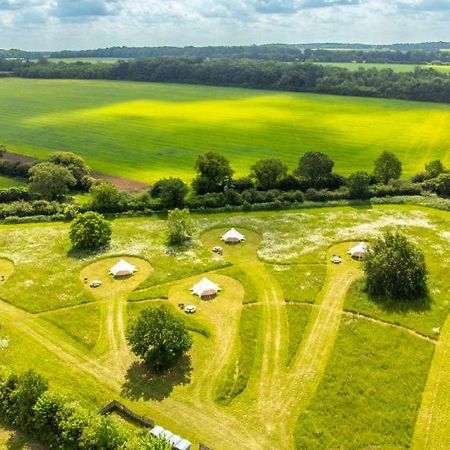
95,284
190,309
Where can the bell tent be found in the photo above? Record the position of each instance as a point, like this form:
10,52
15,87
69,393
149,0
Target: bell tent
122,269
359,251
205,289
233,236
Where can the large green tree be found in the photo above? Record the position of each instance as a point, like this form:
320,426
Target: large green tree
268,173
395,268
171,192
90,231
214,173
179,226
387,167
50,181
314,166
434,168
159,337
74,163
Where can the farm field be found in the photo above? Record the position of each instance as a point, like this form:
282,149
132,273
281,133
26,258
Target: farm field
289,336
145,131
380,66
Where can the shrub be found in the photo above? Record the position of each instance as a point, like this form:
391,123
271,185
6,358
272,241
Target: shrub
171,192
242,184
395,268
159,337
75,165
17,169
358,185
90,231
179,226
268,173
13,194
105,197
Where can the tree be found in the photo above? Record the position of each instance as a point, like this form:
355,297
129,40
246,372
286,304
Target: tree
395,268
443,185
314,166
358,185
434,168
387,167
171,192
179,226
30,387
74,164
105,197
90,231
214,173
50,180
268,173
47,412
159,337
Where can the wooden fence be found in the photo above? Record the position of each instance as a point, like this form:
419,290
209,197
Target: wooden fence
114,405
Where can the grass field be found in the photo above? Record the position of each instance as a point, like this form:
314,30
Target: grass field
381,66
146,131
289,336
7,182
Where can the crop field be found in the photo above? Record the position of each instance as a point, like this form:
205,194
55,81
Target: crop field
145,131
290,336
381,66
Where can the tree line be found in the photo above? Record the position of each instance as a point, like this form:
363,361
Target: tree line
420,84
27,405
275,52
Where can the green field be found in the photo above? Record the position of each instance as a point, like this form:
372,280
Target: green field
380,66
290,336
7,182
145,131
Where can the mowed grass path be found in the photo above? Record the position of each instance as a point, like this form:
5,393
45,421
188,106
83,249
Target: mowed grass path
340,357
145,131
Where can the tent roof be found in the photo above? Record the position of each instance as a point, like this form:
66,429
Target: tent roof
233,234
360,248
122,267
203,286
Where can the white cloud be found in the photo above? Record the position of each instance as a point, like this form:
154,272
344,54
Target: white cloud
56,24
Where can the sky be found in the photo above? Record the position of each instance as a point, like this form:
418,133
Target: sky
83,24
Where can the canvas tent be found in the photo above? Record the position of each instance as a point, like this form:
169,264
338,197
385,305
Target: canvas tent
205,289
358,251
233,236
177,442
122,269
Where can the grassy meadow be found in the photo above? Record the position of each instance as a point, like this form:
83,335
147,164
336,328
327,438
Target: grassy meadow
289,336
381,66
145,131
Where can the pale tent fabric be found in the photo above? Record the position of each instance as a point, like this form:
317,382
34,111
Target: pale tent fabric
204,286
122,268
358,251
233,236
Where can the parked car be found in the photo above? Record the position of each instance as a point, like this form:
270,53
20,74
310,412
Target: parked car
95,284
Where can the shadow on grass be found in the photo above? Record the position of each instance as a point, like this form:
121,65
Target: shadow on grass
146,384
18,441
361,204
395,305
174,250
80,254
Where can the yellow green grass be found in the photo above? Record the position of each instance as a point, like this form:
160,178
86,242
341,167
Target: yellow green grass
291,360
145,131
392,66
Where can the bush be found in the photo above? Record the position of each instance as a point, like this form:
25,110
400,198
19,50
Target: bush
358,185
75,165
17,169
171,192
395,268
90,231
179,226
105,197
159,337
242,184
13,194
